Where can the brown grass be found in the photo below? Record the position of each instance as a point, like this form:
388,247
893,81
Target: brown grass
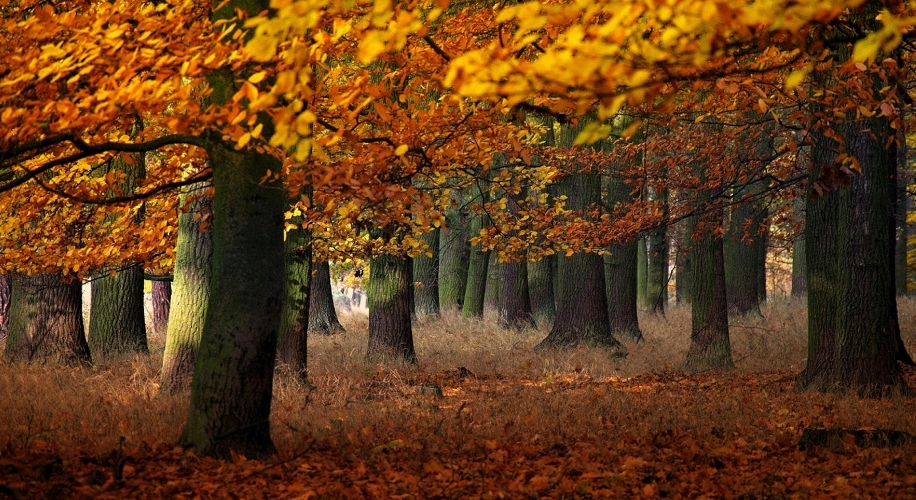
509,394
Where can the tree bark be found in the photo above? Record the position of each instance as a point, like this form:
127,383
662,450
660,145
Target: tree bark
46,322
5,288
426,278
492,288
116,318
901,233
514,299
657,264
454,254
322,314
162,302
743,243
620,273
642,265
191,294
478,264
292,341
683,279
799,267
233,377
390,331
541,277
710,346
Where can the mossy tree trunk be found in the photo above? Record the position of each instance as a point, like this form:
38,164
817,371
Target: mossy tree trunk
454,254
642,265
743,246
191,290
46,321
322,314
478,264
492,287
541,277
514,299
426,278
710,345
852,315
233,377
161,298
292,341
390,330
657,263
620,272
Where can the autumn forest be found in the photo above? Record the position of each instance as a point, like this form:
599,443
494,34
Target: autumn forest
454,249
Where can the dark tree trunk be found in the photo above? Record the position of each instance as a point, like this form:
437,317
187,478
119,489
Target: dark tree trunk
541,277
390,331
582,308
852,317
454,254
116,318
426,278
162,302
514,299
233,377
475,290
620,273
642,264
193,260
46,321
710,345
900,210
742,244
292,342
322,315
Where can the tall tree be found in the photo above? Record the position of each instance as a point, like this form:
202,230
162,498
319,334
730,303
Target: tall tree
492,287
426,276
620,271
799,267
322,314
161,298
541,278
744,245
478,265
390,330
292,342
46,321
642,265
657,263
683,279
193,260
454,253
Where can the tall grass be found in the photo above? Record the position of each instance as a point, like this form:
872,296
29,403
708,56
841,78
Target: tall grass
495,386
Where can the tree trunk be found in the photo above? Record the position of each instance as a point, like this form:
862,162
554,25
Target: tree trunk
541,277
683,279
46,321
494,274
322,315
426,278
901,233
620,273
514,299
852,317
5,287
193,259
657,264
162,302
475,290
642,264
390,331
710,346
742,244
233,377
292,341
116,317
454,254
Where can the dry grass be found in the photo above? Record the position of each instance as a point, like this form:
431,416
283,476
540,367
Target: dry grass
508,393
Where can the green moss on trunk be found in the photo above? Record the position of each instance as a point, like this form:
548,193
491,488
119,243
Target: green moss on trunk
390,330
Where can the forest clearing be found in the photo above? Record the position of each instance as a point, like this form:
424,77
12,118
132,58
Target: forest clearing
510,423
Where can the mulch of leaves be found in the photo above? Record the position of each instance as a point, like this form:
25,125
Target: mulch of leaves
669,464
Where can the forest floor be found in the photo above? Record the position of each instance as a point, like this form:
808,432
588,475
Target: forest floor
509,423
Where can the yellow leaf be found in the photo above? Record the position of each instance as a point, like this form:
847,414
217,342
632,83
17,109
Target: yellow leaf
797,77
257,77
262,48
401,150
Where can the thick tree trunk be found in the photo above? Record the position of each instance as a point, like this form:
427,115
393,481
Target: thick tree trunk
852,314
454,254
901,232
426,278
710,346
514,299
116,317
475,290
193,260
620,273
233,377
46,321
292,341
5,287
642,265
541,277
743,243
390,331
162,303
322,315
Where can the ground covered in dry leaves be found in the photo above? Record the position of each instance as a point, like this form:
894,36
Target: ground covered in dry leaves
482,417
